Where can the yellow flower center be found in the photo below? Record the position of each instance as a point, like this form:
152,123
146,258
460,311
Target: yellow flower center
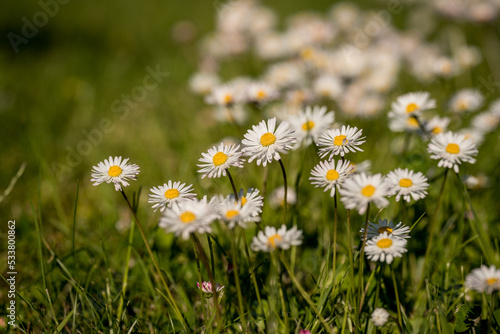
171,193
368,191
492,281
243,200
453,148
271,241
231,213
261,95
411,107
385,229
187,217
267,139
219,158
412,122
462,105
307,126
228,99
405,183
384,243
307,53
437,130
339,140
114,171
332,175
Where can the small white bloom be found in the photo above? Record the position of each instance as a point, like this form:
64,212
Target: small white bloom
270,239
203,82
223,95
236,212
340,141
380,317
484,279
264,142
114,170
310,123
466,100
329,175
437,125
278,197
403,122
169,193
252,197
261,92
361,189
375,229
329,86
385,247
452,148
407,184
218,159
412,103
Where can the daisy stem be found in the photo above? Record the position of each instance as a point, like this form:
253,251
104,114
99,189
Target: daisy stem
204,260
432,229
285,200
212,260
232,185
362,258
241,310
334,237
400,322
351,260
305,295
157,267
282,293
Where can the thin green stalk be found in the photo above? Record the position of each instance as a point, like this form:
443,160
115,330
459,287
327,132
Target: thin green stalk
157,267
125,271
282,293
335,217
74,221
212,259
305,295
351,260
241,310
285,200
232,185
362,259
400,321
200,285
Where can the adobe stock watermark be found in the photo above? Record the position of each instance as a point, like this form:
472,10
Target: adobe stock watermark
30,27
121,108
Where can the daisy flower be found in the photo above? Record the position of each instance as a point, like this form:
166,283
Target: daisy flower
114,170
169,193
437,125
380,317
466,100
483,279
252,197
403,123
261,92
265,142
223,95
361,189
340,141
189,216
375,229
452,149
218,159
328,86
278,197
412,103
385,247
310,123
236,213
329,175
270,239
407,183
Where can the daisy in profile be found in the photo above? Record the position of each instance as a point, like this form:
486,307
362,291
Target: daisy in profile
466,100
452,148
218,159
407,184
265,142
261,92
252,197
329,175
412,103
437,125
114,170
403,123
169,193
385,247
236,213
375,229
380,317
189,216
483,279
361,189
310,123
270,239
340,141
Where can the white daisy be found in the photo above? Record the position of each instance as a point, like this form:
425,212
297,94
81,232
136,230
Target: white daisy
436,125
483,279
189,216
223,95
361,189
278,197
329,86
466,100
375,229
340,141
403,122
203,82
310,123
329,175
114,170
261,92
169,193
270,239
236,212
412,103
452,149
252,197
407,183
380,317
218,159
385,247
265,143
486,122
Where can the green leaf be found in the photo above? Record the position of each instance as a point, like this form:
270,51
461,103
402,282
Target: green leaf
63,323
461,322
